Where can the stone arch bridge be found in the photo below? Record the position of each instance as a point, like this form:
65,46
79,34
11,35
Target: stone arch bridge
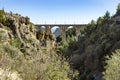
63,28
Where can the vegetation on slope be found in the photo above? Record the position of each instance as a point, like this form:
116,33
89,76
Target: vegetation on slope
112,71
22,56
98,39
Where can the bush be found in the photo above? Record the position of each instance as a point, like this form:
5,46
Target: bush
11,51
112,71
27,20
57,71
31,27
2,17
67,46
35,65
16,43
3,35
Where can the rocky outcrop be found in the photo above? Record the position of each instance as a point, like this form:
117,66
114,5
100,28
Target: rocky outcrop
4,37
20,27
21,55
8,75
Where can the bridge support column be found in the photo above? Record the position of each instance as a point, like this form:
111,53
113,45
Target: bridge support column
77,32
48,29
63,32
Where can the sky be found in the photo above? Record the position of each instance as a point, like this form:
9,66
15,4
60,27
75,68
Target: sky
60,11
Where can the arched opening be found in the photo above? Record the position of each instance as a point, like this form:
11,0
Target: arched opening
69,27
71,31
43,28
56,31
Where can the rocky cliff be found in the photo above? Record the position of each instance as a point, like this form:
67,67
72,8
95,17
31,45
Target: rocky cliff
22,57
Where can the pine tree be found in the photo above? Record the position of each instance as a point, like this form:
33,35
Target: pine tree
118,9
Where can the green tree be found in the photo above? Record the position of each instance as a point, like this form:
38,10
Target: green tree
92,23
27,20
118,10
2,16
112,71
91,26
99,21
71,32
106,16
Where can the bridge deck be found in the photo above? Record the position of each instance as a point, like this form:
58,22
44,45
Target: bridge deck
61,24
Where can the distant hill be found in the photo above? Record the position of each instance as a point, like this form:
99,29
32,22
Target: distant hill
57,32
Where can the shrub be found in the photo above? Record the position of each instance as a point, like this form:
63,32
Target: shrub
2,17
112,71
27,20
3,35
16,43
57,71
31,27
35,65
11,51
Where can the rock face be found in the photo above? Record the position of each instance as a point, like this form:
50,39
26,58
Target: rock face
8,75
16,26
19,27
4,37
17,33
21,55
14,39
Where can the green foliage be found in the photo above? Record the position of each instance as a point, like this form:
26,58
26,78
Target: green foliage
71,32
24,55
11,51
100,38
36,66
82,30
57,72
31,27
16,43
27,20
87,55
72,43
106,16
99,21
93,23
3,36
90,28
63,47
118,10
2,16
66,48
112,71
59,39
31,40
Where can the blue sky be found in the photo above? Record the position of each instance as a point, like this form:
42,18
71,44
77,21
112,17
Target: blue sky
60,11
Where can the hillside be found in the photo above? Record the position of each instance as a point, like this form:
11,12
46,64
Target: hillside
98,39
21,55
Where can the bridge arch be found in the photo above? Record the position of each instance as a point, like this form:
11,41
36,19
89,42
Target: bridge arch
56,31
